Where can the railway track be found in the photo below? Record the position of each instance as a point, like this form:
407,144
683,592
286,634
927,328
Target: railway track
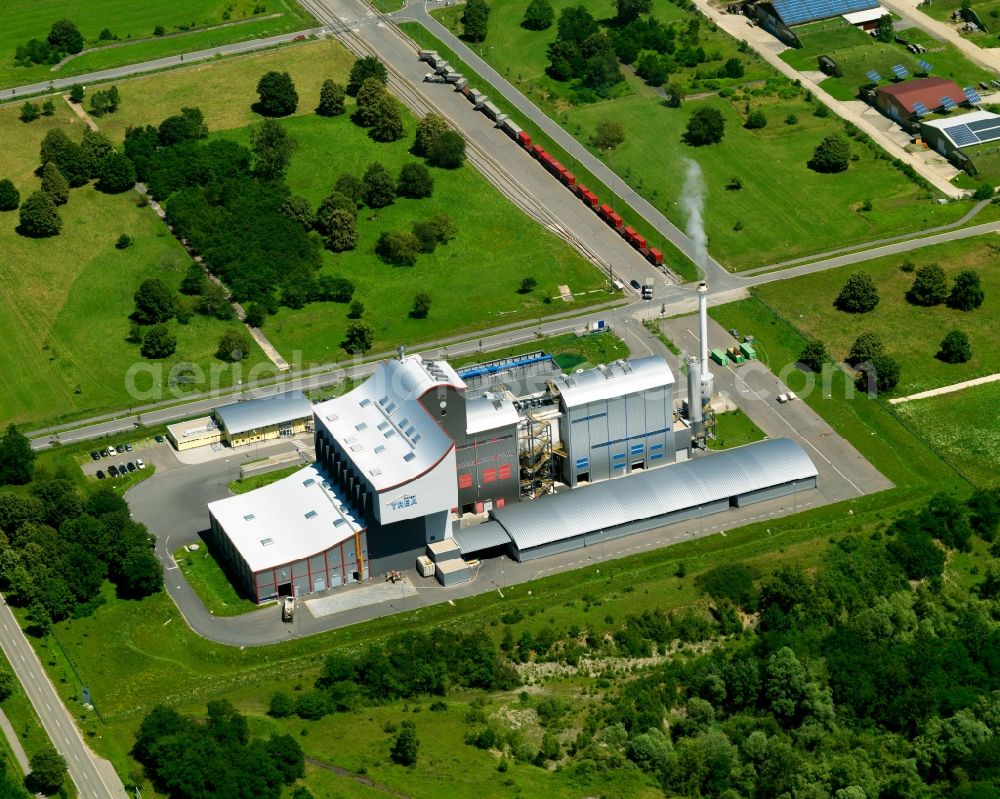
420,104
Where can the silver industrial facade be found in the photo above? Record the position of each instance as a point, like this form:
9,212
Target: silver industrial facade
641,501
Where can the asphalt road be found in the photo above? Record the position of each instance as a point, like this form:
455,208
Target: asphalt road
92,781
152,66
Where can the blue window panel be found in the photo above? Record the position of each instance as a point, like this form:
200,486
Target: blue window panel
620,466
656,456
582,463
637,448
655,447
619,456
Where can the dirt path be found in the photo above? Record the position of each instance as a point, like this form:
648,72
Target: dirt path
343,772
937,392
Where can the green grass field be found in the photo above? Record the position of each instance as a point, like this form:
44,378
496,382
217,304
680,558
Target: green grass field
734,429
769,219
912,334
245,484
988,11
955,425
856,53
65,300
211,583
24,20
569,350
225,90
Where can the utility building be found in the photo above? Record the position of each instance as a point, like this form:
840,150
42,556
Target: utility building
906,102
265,418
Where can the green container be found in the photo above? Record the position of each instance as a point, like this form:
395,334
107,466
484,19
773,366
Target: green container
720,357
748,352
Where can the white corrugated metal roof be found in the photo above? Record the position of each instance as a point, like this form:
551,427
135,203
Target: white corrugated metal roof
867,15
481,536
488,412
383,428
615,380
288,520
653,493
263,412
961,119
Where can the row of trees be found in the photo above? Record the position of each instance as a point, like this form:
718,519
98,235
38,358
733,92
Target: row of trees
58,547
64,39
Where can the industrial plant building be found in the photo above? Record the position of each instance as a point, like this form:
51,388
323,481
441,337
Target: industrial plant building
247,422
779,17
508,457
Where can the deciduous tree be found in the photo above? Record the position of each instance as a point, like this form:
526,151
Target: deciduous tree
476,20
814,356
64,37
415,181
880,374
865,347
538,16
955,347
17,465
629,10
706,126
48,770
379,187
116,174
278,97
447,150
364,68
358,337
10,197
154,302
54,184
967,291
421,305
406,747
859,294
272,149
233,346
158,342
342,232
428,129
398,247
833,154
608,135
331,99
930,286
388,123
39,217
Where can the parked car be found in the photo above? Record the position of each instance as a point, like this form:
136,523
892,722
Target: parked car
106,452
786,397
635,284
128,447
139,464
122,470
119,448
113,470
100,475
158,439
95,455
130,466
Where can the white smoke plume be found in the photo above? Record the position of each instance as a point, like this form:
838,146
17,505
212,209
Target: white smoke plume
693,200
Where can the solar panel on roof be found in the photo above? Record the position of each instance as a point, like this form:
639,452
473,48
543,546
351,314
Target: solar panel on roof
962,136
972,95
900,71
796,12
925,66
982,124
920,108
873,76
988,135
948,104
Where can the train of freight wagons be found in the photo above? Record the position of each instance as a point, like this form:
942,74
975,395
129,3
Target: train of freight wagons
443,73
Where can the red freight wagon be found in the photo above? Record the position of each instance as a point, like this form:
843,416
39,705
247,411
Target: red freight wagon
639,241
580,190
590,198
655,256
629,233
570,178
605,212
524,139
537,151
614,219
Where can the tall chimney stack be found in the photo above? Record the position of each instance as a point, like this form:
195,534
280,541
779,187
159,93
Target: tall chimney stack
706,374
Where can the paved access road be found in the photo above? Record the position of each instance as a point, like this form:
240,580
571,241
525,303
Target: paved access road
93,781
153,66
